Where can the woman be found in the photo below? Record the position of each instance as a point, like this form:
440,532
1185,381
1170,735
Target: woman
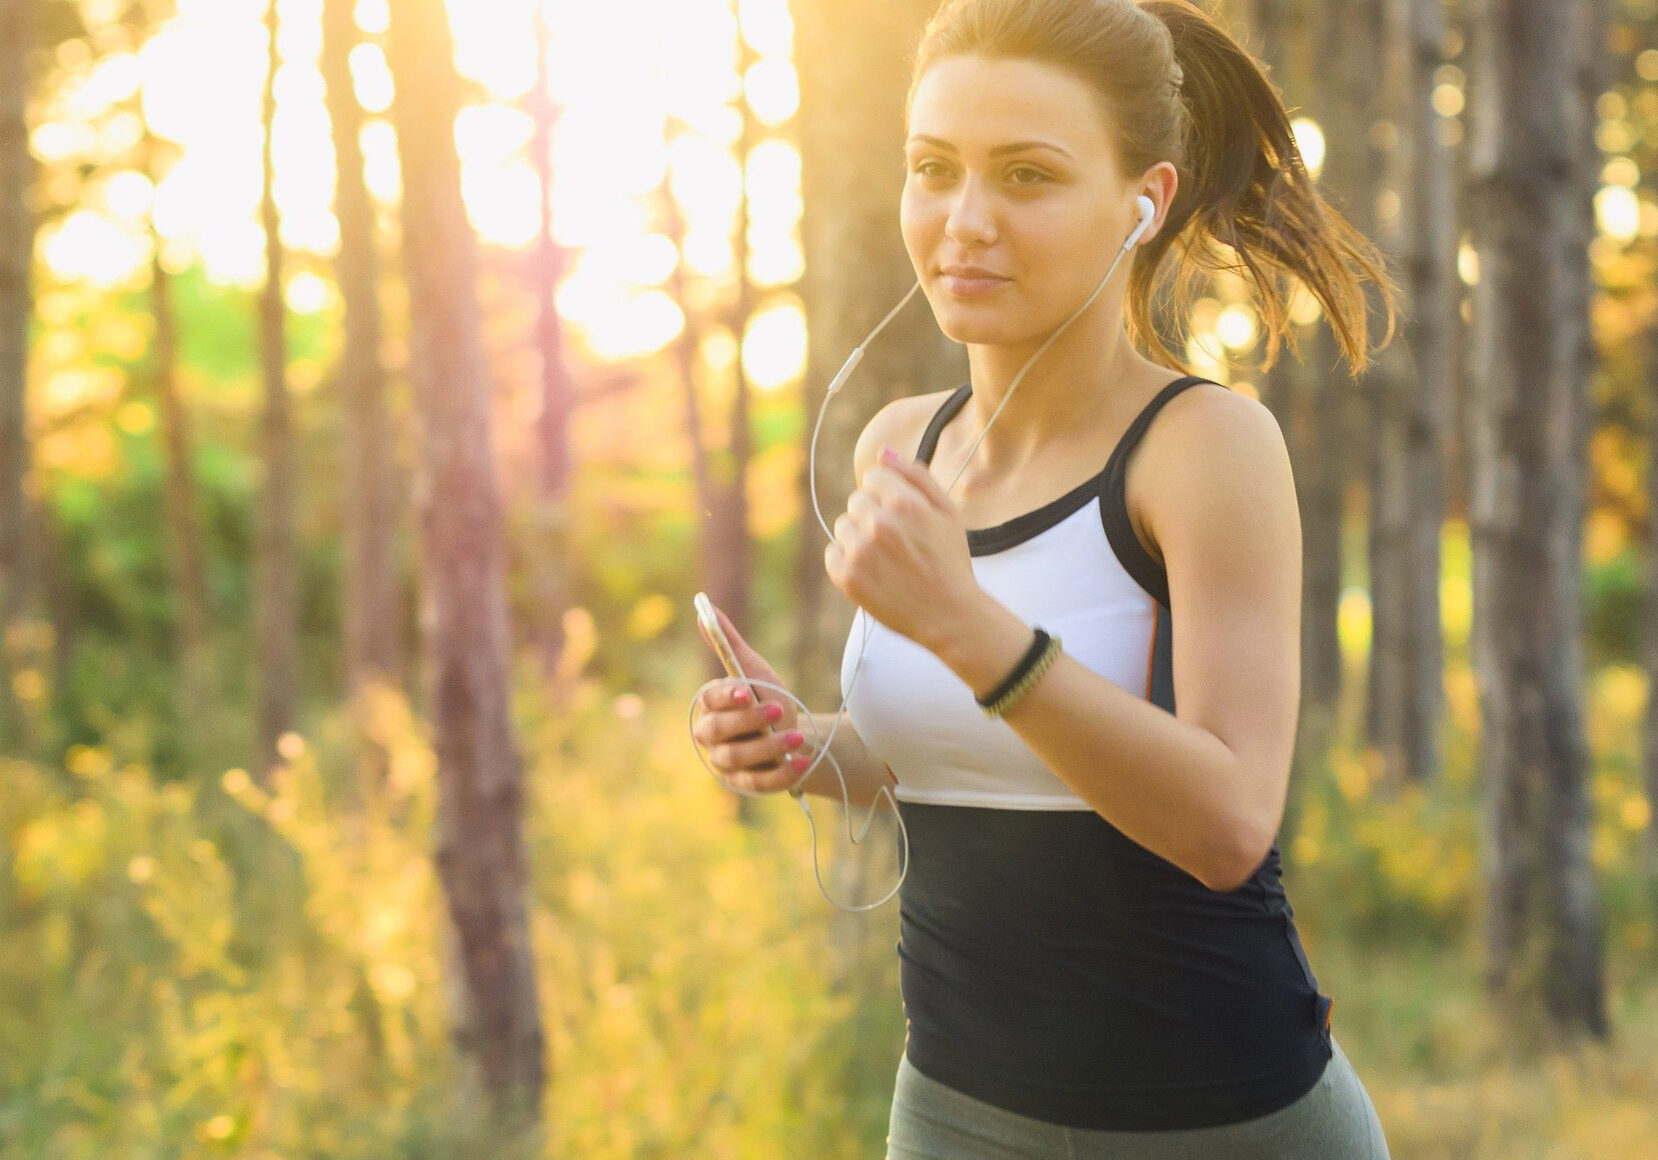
1098,957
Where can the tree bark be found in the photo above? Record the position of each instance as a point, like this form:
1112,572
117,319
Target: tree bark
277,603
373,652
1307,399
1532,114
552,558
17,248
1413,418
480,851
188,566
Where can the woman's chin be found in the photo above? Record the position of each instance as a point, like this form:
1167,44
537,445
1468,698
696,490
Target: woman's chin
961,326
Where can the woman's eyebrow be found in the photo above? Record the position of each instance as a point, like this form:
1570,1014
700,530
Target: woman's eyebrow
997,151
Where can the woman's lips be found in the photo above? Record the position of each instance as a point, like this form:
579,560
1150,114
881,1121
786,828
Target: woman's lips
965,286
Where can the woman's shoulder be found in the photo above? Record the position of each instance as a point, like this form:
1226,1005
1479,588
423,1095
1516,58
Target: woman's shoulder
900,424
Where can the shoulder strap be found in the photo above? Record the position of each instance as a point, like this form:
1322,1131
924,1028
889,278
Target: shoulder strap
1147,572
929,438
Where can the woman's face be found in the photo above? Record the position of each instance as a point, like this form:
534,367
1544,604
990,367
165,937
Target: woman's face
1046,218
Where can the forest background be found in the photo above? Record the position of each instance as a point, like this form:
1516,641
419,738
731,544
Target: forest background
356,476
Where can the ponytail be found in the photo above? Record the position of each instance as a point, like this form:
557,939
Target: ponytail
1247,188
1176,86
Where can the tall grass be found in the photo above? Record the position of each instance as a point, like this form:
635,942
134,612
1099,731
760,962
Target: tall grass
208,969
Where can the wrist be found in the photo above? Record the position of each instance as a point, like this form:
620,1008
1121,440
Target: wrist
985,640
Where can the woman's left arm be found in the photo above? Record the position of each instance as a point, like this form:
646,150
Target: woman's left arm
1205,787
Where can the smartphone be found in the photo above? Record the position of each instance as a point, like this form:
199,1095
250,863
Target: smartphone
727,655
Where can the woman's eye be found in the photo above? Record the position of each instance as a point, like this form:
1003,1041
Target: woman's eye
922,168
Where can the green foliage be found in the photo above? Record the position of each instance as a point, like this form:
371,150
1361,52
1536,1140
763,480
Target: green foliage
192,970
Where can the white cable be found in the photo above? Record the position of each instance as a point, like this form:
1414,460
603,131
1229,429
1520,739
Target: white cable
1147,211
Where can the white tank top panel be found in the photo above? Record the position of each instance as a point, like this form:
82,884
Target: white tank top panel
1054,567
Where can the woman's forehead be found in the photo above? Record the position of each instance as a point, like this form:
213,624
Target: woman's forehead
976,105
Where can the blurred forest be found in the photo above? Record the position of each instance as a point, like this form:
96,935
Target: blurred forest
356,475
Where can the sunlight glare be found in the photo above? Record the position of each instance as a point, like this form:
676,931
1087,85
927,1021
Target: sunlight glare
705,177
617,146
371,78
128,196
503,203
88,246
495,45
643,323
772,91
774,347
1618,212
1236,326
382,169
373,16
1309,139
309,294
767,26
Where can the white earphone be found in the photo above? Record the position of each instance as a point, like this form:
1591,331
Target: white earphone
1148,211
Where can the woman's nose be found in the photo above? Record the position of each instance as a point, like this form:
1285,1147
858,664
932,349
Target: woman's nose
969,221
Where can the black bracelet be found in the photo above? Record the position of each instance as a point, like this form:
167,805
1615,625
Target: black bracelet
1038,645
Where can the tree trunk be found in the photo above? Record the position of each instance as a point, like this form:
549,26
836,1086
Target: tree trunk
373,653
17,248
1531,117
1414,416
1307,398
480,850
552,524
854,73
277,604
1649,755
195,615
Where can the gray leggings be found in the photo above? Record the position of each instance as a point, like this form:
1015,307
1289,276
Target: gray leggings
1333,1121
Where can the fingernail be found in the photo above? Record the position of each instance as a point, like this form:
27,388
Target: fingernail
798,761
793,737
773,711
740,695
888,455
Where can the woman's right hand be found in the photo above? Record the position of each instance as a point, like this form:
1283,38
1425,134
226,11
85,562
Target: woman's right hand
734,730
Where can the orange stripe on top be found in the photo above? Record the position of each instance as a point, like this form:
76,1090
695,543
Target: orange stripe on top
1151,652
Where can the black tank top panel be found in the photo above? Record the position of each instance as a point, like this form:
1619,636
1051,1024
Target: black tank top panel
1050,965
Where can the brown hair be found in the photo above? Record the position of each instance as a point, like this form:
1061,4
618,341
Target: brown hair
1177,87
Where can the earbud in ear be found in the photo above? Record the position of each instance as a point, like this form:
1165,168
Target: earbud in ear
1148,210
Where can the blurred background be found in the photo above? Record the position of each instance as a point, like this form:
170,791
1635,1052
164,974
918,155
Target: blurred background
379,379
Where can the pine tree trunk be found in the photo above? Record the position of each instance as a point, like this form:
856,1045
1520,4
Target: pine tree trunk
1418,392
277,605
373,653
195,689
480,845
552,524
17,247
1531,117
1305,391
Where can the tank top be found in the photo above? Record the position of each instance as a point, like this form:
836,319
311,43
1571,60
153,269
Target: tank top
1049,964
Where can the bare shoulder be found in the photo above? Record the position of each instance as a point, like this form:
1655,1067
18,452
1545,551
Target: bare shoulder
898,424
1235,438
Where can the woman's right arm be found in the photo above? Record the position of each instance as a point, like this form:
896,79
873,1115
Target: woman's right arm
864,773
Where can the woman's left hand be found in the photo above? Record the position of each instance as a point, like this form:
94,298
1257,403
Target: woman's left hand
900,551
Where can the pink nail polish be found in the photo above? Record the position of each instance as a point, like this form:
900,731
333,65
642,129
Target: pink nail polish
793,737
773,711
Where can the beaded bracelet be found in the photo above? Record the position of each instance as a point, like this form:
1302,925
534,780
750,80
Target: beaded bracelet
1044,650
